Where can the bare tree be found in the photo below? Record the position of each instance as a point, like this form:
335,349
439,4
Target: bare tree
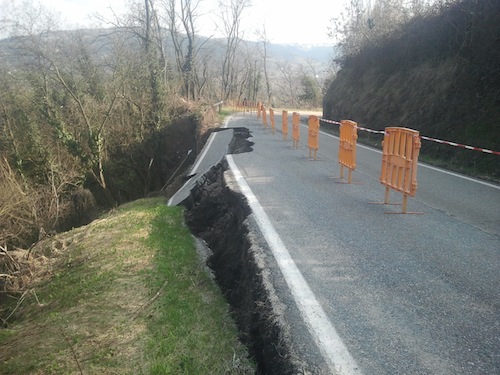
181,22
288,85
265,41
370,22
153,48
231,13
53,115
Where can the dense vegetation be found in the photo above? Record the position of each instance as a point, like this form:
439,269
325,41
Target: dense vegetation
90,118
437,72
94,118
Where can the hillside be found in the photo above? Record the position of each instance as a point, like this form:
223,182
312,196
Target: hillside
296,54
439,75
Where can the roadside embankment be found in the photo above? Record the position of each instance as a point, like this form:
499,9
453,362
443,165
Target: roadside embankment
218,215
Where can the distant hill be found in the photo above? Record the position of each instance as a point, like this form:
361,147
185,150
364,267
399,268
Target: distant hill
296,55
300,53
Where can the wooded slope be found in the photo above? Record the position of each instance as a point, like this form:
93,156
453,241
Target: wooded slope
439,74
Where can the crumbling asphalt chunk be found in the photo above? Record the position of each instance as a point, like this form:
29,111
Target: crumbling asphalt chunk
240,142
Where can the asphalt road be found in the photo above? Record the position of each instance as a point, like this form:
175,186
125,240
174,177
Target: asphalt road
406,294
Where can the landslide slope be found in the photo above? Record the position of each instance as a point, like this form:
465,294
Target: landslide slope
438,74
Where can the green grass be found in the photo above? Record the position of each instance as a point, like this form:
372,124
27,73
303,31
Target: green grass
188,334
226,111
126,294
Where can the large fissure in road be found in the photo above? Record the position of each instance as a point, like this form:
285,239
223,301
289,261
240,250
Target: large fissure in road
219,215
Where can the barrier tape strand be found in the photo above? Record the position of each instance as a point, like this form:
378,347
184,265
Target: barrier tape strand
425,138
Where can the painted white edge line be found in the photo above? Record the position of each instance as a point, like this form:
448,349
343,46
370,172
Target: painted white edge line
328,341
424,165
207,146
460,176
201,157
204,152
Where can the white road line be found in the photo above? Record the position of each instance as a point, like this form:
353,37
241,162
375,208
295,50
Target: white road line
195,167
204,152
328,341
460,176
207,147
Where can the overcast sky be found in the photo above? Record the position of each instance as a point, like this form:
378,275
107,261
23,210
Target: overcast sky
286,21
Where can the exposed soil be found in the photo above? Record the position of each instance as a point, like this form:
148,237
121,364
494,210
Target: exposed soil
217,214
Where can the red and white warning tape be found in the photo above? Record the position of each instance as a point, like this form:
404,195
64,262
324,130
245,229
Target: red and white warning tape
370,130
425,138
460,145
357,127
330,121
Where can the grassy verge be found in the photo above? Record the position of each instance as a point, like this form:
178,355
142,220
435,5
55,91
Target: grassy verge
226,111
126,294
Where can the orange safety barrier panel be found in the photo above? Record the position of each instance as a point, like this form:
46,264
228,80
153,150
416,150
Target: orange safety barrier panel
347,147
237,106
271,117
400,152
259,109
296,129
264,116
313,133
243,106
284,124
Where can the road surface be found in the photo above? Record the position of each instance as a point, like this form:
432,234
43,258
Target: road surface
379,293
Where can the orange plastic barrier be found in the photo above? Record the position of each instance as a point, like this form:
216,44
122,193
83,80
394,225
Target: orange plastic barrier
284,124
347,147
400,152
259,109
271,116
237,106
264,116
313,133
296,129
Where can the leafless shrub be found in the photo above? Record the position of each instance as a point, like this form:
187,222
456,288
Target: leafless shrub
18,213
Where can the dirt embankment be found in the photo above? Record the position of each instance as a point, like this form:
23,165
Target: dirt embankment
218,215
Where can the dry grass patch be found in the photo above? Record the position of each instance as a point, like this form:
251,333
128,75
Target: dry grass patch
94,300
